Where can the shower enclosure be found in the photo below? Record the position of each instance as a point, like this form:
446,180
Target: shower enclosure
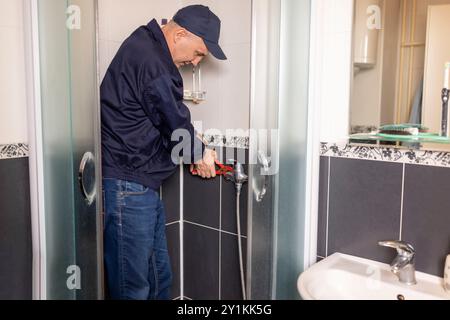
280,242
64,148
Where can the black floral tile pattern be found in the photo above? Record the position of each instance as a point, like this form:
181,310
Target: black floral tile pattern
239,142
10,151
390,154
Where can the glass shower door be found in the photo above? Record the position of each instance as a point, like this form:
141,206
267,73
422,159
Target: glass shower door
71,266
278,148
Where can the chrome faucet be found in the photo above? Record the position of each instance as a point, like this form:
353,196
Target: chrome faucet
238,176
403,264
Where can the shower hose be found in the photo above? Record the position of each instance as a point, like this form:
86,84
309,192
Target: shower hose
241,258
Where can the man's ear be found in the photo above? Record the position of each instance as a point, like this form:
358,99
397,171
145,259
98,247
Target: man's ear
179,34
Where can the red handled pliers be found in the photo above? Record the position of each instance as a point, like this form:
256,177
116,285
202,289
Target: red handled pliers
223,169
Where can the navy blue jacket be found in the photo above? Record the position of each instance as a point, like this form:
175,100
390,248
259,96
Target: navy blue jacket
141,105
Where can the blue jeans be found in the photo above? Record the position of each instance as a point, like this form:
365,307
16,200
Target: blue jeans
135,247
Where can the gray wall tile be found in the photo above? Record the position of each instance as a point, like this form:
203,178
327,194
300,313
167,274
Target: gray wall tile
229,195
173,244
202,205
201,263
201,200
230,270
171,197
322,209
426,216
15,230
229,216
365,202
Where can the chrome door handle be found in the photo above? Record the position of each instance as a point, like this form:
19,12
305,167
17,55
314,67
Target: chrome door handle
86,177
265,163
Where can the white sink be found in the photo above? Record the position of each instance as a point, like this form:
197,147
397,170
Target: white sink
344,277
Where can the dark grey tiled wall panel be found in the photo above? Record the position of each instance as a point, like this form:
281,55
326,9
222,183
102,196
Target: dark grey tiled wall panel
364,197
15,230
173,243
229,216
230,270
426,216
171,197
201,200
322,209
205,202
201,263
365,202
229,195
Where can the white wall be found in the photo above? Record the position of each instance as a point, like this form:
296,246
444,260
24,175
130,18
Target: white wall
333,46
13,116
227,82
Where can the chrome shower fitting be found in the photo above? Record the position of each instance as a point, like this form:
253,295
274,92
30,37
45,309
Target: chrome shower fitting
238,177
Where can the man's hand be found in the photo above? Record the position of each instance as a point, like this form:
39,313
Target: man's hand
206,168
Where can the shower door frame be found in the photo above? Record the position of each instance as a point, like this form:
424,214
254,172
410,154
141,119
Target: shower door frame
36,159
261,10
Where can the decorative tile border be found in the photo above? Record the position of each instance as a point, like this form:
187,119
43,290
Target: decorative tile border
378,153
20,150
11,151
238,142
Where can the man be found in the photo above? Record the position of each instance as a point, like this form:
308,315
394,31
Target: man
141,105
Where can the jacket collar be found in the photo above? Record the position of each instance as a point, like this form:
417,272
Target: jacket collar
155,29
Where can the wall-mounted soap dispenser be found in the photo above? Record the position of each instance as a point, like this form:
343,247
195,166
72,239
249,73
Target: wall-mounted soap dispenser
196,94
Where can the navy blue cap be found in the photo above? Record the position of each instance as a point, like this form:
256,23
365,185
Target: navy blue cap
204,23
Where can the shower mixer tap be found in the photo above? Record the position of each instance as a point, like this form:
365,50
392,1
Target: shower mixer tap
237,176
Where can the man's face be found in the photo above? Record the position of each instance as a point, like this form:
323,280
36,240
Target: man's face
187,48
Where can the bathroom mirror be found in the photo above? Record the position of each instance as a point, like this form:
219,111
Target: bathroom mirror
400,49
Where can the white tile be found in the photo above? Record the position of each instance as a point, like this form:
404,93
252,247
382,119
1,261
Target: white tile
236,17
127,16
114,46
104,60
107,51
11,13
235,87
13,116
227,83
213,5
208,112
104,18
